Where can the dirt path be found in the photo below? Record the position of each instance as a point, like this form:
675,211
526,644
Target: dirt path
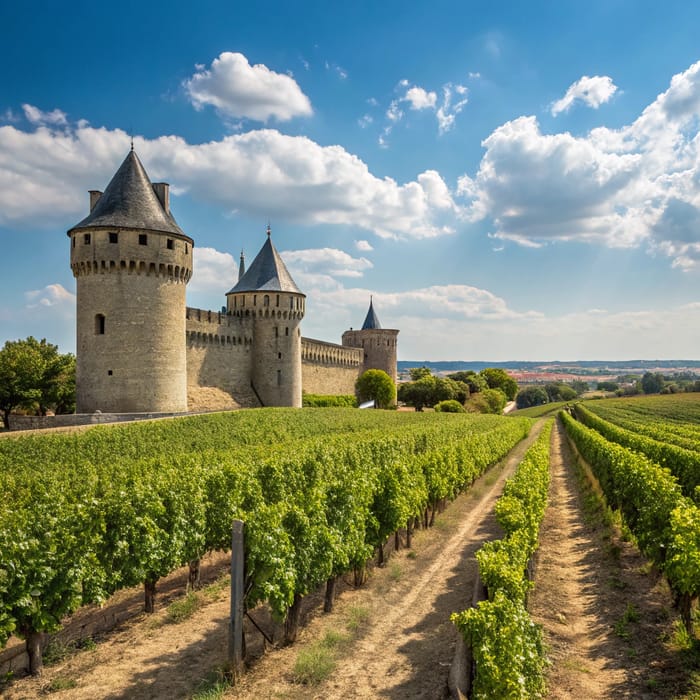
604,614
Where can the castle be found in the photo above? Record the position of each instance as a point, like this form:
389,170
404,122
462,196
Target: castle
140,349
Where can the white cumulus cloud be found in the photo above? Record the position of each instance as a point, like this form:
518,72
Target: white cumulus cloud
636,185
363,246
237,89
592,91
45,173
420,98
213,271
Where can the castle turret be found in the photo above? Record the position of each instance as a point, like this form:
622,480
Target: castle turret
267,294
131,262
379,344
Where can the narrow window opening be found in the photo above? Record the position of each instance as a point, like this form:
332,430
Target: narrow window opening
279,377
143,239
278,300
279,355
286,331
255,299
86,238
113,237
74,241
277,332
109,372
99,324
186,249
170,244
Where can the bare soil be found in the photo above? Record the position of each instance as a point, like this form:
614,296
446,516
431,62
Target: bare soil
606,614
404,644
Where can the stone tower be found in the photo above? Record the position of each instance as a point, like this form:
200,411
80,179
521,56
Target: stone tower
379,344
131,262
267,294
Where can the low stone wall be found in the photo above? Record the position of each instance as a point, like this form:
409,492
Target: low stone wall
73,419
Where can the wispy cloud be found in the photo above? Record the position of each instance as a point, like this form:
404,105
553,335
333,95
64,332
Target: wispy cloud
592,92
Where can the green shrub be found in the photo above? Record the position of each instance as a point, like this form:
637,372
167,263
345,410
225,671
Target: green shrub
450,406
329,401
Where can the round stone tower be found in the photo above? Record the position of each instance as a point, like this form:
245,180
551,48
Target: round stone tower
379,344
268,295
131,262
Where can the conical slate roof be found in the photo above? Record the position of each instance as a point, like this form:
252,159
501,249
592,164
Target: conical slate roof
130,202
266,273
371,320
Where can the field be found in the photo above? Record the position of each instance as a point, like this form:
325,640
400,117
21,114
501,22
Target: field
86,515
323,491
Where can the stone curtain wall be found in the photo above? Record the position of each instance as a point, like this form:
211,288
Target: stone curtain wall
219,352
328,368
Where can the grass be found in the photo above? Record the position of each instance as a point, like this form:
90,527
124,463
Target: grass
539,411
214,687
317,661
58,650
314,664
61,683
395,571
183,609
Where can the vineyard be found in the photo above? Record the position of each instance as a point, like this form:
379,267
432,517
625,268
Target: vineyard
634,448
87,514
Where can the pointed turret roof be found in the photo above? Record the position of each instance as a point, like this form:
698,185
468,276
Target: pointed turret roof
266,273
371,320
129,201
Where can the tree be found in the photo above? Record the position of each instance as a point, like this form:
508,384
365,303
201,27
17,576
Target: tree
559,392
579,386
487,401
497,378
419,372
474,381
607,386
531,396
652,382
429,390
34,375
376,385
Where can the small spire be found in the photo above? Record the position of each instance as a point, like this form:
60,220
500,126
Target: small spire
241,267
269,230
132,141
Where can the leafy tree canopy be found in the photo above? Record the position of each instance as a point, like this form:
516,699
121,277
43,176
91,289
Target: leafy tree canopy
419,372
474,381
652,382
531,396
35,376
377,385
497,378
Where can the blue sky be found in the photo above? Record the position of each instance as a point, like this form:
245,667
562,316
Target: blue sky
509,180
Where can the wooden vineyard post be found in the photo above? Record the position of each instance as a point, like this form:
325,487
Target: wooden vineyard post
235,642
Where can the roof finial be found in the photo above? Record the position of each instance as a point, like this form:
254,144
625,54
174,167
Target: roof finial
269,230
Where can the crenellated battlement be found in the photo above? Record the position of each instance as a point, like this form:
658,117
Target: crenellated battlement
204,327
321,352
131,252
